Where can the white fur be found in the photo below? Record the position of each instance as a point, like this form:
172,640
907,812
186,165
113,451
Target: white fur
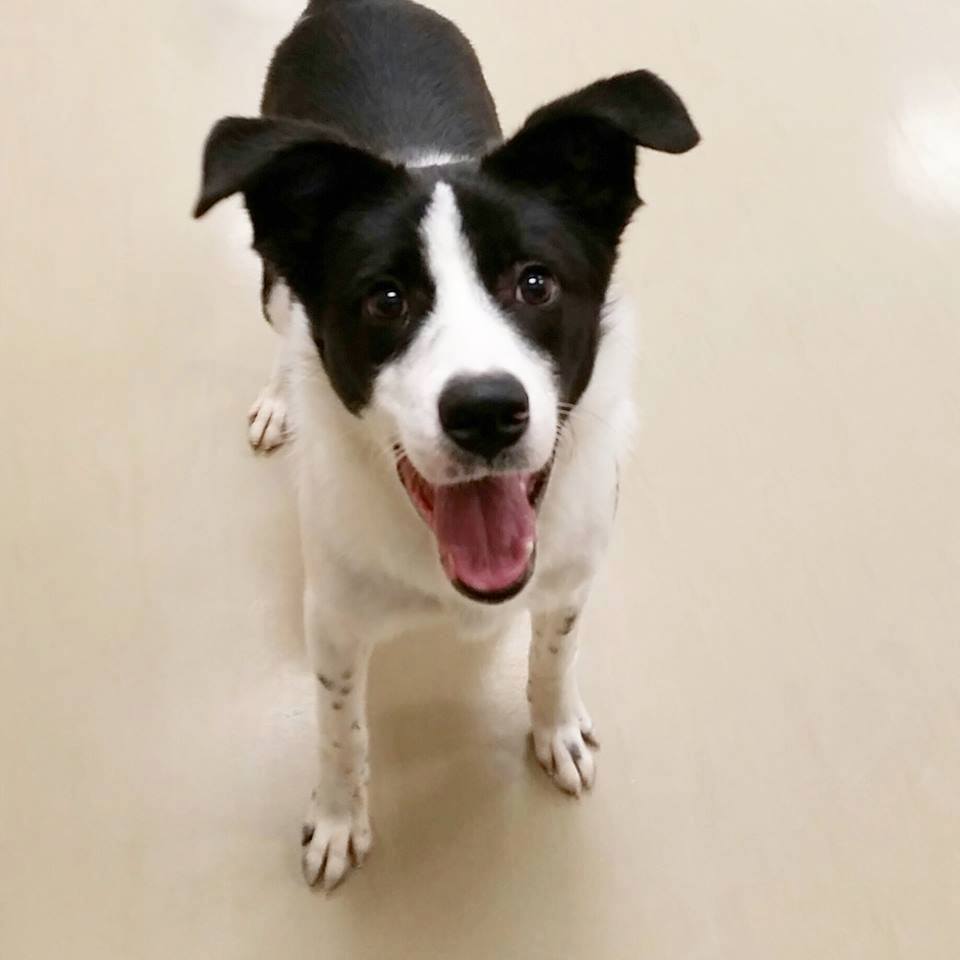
432,159
268,418
278,307
465,334
371,564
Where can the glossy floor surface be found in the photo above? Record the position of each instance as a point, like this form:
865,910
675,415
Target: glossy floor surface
773,658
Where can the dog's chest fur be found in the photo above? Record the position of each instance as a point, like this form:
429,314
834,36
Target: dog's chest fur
364,541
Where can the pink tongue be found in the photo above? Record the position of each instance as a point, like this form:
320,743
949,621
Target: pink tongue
485,531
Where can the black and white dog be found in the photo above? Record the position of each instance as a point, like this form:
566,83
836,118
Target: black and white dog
453,369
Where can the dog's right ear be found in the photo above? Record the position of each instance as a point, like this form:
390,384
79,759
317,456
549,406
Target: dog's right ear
294,175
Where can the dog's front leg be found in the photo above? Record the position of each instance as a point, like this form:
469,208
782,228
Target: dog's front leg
562,729
268,415
336,833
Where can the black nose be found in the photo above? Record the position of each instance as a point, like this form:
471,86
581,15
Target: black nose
485,414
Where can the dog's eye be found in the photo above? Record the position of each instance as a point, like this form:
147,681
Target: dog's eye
537,286
386,304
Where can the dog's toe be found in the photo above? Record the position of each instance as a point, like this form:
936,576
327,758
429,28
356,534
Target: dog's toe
268,422
564,752
334,845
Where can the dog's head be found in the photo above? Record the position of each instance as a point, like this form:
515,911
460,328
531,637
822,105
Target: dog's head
457,309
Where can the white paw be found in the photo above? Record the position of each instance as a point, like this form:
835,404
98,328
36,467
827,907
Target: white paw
268,421
335,843
564,751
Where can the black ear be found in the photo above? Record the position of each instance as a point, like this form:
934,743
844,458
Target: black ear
294,175
639,105
581,150
239,149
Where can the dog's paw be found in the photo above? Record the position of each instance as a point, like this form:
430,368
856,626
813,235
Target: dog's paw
268,421
334,844
564,751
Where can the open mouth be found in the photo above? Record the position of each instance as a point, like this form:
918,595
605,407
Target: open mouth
486,529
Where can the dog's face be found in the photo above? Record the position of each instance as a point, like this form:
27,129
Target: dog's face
456,310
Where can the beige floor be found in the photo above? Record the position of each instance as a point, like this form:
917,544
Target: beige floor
774,654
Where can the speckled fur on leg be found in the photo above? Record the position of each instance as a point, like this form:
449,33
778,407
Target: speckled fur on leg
336,832
562,728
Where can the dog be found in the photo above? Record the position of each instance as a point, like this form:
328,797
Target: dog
453,368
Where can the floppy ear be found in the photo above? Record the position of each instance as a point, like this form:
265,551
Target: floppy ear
294,175
580,151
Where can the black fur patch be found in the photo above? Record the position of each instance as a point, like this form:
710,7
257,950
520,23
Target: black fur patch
267,284
396,78
507,228
360,85
347,256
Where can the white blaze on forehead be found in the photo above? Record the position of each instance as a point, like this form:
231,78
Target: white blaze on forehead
466,333
449,257
477,336
432,160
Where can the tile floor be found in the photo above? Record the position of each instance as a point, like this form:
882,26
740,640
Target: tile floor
774,653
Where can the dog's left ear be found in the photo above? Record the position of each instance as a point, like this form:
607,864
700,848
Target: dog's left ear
580,151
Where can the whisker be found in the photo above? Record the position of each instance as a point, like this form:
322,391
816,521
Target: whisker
587,417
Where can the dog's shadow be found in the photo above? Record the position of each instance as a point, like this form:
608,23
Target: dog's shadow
457,800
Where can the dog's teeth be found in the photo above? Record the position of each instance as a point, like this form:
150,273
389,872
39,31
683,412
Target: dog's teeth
528,548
